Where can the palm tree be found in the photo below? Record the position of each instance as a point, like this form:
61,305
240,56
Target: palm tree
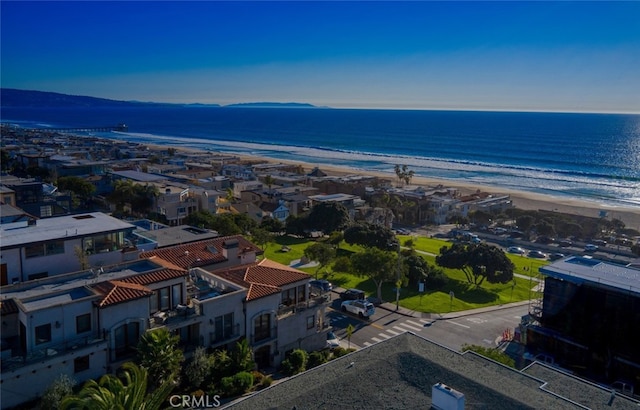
159,354
241,357
110,392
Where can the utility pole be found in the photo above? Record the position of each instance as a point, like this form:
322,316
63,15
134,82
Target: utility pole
398,282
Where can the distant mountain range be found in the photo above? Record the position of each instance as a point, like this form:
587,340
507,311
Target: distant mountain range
11,97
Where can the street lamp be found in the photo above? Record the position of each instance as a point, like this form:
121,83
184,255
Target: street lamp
398,282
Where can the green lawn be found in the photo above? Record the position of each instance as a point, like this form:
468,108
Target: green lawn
431,301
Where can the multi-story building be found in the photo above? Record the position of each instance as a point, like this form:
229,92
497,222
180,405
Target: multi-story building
588,319
46,247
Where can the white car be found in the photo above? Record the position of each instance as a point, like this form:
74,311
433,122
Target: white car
362,308
332,340
516,249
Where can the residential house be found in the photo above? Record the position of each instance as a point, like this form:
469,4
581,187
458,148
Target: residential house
40,248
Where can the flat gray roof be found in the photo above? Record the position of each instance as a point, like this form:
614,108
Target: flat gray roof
398,373
61,227
580,269
177,235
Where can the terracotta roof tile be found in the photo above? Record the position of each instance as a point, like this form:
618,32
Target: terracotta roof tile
156,276
200,253
116,291
262,278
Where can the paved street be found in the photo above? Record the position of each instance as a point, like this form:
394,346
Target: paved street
483,328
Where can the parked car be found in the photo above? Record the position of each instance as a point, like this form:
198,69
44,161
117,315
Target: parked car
590,247
320,286
556,256
332,340
362,308
544,240
565,243
537,254
353,294
515,249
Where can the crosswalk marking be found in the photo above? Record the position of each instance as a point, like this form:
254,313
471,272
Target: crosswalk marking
425,320
375,339
393,332
384,335
414,323
366,344
408,326
400,329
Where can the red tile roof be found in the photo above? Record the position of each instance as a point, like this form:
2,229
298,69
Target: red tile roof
156,276
262,278
200,253
116,291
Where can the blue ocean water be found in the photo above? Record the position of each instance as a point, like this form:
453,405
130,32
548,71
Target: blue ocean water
587,156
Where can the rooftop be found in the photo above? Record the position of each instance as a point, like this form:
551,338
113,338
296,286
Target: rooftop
398,374
62,227
580,269
177,235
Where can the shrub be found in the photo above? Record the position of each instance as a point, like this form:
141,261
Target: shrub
257,377
317,358
266,381
61,387
237,384
199,369
295,363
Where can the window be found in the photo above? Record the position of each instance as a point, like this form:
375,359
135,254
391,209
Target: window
163,298
126,339
262,325
223,328
45,211
43,333
176,295
83,323
301,293
81,364
32,251
311,321
288,297
54,248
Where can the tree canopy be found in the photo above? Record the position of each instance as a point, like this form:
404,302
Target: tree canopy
159,355
371,235
327,217
321,252
478,262
378,265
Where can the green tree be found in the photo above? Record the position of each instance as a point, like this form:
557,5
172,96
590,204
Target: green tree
478,262
349,330
159,354
371,235
199,370
328,217
272,225
123,191
111,392
261,237
321,252
241,357
269,181
80,189
378,265
61,387
295,363
403,173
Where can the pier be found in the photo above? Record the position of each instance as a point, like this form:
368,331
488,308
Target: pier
109,128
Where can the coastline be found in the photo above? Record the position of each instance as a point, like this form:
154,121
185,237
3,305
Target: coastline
521,199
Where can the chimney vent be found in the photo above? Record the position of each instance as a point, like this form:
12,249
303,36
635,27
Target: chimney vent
444,397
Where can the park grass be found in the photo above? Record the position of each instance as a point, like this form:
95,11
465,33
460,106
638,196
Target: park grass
466,296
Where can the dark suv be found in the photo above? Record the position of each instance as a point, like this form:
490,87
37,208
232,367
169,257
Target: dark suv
353,294
320,286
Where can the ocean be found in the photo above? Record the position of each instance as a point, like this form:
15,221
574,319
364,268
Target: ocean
594,157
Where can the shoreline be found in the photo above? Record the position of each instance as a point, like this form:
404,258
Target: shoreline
521,199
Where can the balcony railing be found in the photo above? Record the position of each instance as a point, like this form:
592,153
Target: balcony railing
216,339
20,360
174,316
264,338
286,310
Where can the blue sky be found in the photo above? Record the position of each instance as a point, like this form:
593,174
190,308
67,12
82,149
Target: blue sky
540,56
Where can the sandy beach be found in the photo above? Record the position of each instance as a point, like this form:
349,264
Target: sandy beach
521,199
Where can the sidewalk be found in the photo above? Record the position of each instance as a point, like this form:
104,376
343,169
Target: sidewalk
391,307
